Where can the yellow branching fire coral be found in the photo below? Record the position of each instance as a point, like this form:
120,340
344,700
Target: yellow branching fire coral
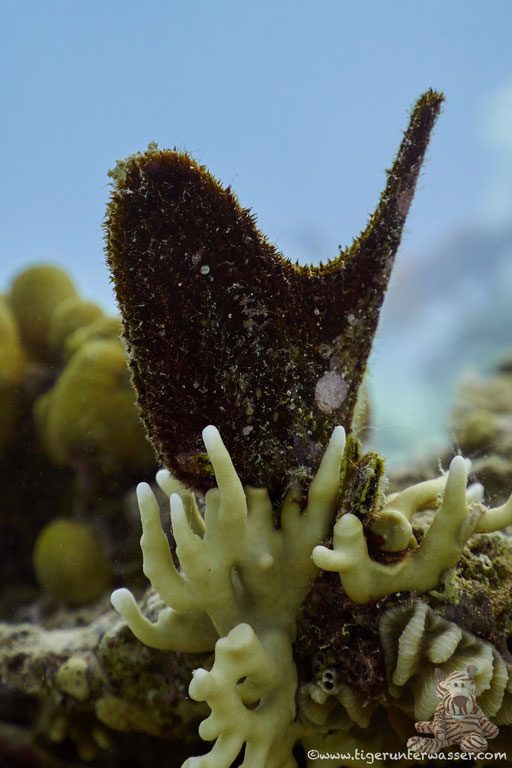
242,580
239,588
364,579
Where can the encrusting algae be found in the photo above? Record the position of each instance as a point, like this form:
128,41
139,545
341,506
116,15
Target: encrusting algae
300,605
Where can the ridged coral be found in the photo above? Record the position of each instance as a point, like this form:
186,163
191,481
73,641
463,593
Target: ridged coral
416,640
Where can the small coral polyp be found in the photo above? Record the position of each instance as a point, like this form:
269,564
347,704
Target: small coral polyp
242,581
241,584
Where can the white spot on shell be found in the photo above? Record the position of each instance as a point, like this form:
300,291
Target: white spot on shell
330,391
266,561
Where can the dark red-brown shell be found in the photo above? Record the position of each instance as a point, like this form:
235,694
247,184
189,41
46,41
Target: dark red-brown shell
221,329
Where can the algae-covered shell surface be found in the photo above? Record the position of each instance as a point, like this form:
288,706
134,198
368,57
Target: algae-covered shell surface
222,329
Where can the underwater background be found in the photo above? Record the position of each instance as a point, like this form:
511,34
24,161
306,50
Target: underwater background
300,109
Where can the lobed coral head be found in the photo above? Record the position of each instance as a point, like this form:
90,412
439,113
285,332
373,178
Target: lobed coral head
70,563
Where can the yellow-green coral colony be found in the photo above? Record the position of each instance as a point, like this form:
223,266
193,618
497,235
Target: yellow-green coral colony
459,515
91,412
65,396
51,319
35,295
103,327
74,354
69,316
69,562
12,374
222,329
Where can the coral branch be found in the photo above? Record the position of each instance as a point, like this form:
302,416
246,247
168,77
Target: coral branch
304,529
157,561
192,632
232,723
170,485
392,522
495,519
